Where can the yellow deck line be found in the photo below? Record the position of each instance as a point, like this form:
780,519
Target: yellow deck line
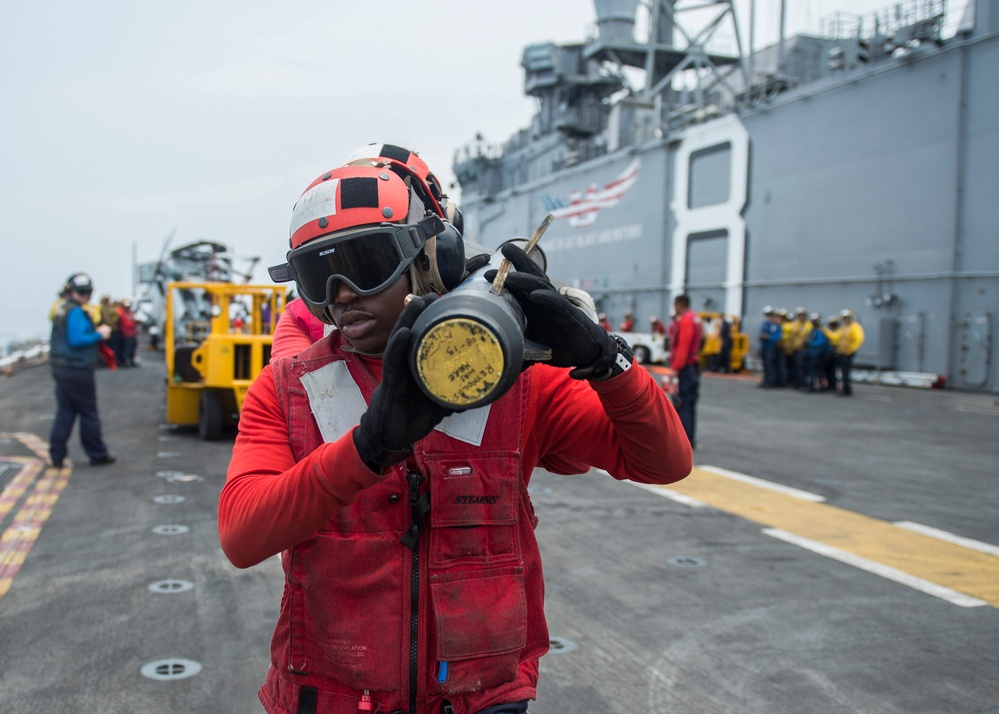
953,566
34,509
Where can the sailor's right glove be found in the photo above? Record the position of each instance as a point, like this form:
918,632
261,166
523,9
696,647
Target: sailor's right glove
400,414
553,321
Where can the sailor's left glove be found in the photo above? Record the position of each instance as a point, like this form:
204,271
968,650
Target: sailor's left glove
400,414
555,322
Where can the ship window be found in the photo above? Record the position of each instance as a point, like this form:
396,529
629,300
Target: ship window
710,176
707,259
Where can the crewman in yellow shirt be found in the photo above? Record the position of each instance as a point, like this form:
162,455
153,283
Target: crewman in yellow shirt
851,337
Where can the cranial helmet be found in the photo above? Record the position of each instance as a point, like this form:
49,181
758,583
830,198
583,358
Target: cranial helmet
78,282
374,154
366,225
444,252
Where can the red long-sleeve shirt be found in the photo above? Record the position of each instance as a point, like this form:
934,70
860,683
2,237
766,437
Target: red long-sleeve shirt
297,329
684,340
626,426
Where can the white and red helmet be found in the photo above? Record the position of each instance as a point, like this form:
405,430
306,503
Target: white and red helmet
379,153
350,197
365,224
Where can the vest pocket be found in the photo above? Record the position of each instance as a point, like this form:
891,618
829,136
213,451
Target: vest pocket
473,511
353,609
481,626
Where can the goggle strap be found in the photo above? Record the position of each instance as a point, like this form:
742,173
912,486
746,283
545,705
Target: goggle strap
280,273
431,225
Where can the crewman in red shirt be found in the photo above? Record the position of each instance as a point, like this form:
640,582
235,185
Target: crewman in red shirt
413,578
685,346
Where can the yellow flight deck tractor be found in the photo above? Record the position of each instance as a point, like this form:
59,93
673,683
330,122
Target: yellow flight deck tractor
217,339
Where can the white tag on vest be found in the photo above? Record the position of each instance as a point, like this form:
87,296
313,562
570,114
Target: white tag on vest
337,405
335,400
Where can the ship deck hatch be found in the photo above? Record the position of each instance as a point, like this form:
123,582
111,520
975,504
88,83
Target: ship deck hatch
7,473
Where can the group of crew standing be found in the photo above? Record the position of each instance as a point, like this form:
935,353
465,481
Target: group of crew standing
802,352
656,326
118,315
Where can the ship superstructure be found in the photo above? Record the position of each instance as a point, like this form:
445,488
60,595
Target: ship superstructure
200,261
855,168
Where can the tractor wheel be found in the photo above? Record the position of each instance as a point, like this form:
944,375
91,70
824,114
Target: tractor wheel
642,355
209,416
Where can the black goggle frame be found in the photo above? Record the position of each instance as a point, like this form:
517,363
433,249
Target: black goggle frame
320,264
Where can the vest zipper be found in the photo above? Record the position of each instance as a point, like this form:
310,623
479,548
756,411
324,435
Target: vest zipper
420,506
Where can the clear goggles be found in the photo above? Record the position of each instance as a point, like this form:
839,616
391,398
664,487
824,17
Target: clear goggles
368,260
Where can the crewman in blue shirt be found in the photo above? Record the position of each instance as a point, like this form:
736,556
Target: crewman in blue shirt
73,356
770,335
816,350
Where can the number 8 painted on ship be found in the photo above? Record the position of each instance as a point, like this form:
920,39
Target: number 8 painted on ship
725,216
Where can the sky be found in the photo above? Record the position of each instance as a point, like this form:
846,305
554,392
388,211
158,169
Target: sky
126,123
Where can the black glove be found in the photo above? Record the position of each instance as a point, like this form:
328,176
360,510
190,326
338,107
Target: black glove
574,339
400,414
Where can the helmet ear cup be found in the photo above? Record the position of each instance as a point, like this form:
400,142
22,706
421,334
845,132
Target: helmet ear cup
440,266
450,256
455,217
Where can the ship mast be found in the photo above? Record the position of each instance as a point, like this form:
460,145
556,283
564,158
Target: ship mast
686,75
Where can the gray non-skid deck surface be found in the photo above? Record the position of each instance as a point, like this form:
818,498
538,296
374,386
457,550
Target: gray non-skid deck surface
655,606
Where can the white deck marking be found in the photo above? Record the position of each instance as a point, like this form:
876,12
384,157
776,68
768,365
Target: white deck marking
786,490
665,492
944,593
949,537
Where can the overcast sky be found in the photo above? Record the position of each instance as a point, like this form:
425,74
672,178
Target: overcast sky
124,122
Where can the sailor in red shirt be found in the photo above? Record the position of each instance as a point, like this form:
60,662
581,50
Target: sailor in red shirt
406,532
685,346
296,330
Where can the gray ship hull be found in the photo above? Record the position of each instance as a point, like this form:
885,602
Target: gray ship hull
871,189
